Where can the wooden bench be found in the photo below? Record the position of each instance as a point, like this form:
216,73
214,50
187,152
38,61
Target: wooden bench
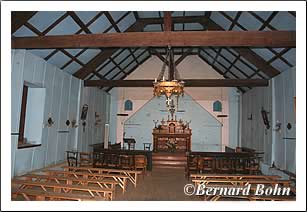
253,188
120,179
70,180
242,182
234,176
132,174
39,195
108,194
254,198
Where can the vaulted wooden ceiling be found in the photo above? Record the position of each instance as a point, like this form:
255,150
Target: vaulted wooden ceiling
106,62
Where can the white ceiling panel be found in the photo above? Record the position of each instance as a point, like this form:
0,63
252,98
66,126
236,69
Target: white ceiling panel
100,25
280,65
290,56
86,16
59,59
249,22
126,22
23,32
117,14
67,27
42,53
284,21
121,56
263,14
148,14
43,19
220,20
72,67
88,55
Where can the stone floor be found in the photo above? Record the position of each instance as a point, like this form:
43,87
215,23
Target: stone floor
158,185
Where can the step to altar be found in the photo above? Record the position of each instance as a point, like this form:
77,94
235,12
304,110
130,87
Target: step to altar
169,160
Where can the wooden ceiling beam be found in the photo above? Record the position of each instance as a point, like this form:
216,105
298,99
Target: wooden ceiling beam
188,83
101,57
19,18
158,39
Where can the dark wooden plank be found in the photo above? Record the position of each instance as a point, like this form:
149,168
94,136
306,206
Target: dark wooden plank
260,63
140,39
167,21
188,83
250,55
23,114
19,18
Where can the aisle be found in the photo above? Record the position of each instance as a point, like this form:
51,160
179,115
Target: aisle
158,185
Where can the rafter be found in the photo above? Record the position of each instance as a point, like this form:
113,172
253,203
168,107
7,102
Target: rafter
76,18
251,56
188,83
217,69
19,18
101,57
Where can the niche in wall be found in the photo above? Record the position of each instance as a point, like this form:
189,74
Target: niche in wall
31,115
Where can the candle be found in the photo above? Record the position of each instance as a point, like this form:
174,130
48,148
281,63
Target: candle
155,79
163,78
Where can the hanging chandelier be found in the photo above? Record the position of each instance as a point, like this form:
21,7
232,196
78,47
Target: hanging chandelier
171,87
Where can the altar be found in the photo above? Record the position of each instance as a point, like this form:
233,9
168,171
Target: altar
172,136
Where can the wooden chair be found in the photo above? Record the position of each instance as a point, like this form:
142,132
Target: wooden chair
207,164
126,162
98,159
147,146
111,160
239,166
86,159
192,165
253,166
72,158
140,162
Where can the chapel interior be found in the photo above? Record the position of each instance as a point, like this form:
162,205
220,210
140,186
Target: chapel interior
134,105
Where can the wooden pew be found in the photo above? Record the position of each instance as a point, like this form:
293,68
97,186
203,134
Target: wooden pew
121,179
132,174
240,181
69,180
108,194
38,195
234,176
254,198
243,182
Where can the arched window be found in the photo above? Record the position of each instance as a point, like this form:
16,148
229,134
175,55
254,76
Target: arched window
128,105
217,106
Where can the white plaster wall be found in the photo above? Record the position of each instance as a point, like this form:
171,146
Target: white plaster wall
60,103
98,101
278,99
63,95
190,68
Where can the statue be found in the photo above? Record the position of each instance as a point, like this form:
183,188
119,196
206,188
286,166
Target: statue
155,121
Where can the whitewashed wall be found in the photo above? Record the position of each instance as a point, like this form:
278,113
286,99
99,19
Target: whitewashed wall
60,102
63,94
278,100
98,101
191,68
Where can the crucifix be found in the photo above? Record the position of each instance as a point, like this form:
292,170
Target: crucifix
172,109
